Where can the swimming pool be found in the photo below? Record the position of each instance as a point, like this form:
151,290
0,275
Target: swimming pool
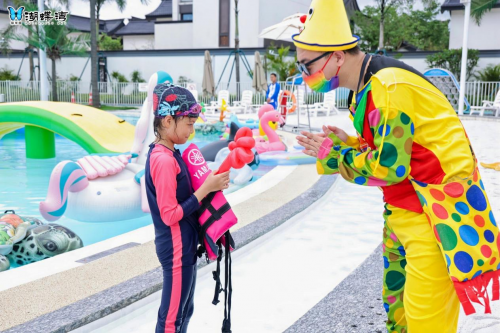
25,182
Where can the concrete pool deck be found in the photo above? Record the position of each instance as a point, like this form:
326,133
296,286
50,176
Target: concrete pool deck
47,309
85,277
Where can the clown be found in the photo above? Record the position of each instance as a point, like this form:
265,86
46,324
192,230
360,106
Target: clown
411,144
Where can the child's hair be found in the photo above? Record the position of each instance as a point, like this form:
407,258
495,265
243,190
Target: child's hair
157,127
174,101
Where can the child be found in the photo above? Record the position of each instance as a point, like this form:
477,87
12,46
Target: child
174,205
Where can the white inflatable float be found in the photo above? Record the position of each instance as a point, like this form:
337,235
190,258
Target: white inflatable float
105,188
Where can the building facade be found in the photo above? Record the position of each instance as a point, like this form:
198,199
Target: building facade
481,37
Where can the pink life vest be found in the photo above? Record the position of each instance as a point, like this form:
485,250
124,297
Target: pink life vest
216,215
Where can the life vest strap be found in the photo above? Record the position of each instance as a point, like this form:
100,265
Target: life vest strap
228,285
216,275
226,324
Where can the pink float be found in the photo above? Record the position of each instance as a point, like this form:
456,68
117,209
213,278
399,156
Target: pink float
274,143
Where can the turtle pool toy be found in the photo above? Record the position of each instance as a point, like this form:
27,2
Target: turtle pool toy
26,240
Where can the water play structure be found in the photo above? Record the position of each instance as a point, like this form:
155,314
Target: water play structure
94,130
446,82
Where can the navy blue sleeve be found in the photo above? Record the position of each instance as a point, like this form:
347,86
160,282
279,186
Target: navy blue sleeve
190,205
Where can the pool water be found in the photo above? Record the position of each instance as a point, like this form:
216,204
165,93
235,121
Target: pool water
24,183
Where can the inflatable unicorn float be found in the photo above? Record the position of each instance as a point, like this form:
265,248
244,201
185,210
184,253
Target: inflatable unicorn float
105,188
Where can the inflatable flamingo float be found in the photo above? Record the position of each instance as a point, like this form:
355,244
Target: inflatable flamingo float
105,188
274,143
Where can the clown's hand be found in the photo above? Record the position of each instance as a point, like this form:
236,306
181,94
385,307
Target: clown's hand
340,133
311,142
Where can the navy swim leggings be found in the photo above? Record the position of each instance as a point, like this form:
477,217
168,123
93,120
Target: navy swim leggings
179,279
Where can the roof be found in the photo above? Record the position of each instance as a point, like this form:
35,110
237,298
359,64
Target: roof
163,10
351,5
81,23
136,26
456,5
111,26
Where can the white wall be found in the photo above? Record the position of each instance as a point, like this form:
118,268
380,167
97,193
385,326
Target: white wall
254,16
173,36
206,24
138,42
190,66
175,10
483,37
248,23
4,23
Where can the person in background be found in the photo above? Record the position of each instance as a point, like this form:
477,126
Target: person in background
272,91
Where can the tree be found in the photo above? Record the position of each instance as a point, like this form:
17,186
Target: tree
489,74
237,47
136,77
452,60
7,74
9,32
107,43
183,80
56,42
96,100
481,7
95,11
383,7
403,24
277,61
119,77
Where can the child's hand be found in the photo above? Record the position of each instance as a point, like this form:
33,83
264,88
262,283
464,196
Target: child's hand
218,182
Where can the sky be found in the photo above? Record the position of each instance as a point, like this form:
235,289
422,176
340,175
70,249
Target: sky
135,8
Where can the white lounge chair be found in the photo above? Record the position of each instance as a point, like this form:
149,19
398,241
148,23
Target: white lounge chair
327,106
488,105
245,104
223,94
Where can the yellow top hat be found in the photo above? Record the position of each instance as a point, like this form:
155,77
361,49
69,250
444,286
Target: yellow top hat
326,28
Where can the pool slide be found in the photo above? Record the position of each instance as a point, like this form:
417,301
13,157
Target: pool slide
94,130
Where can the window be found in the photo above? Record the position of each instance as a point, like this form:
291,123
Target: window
187,17
224,16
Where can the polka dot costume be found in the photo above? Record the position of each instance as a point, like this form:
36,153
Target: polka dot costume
466,232
406,127
394,278
383,167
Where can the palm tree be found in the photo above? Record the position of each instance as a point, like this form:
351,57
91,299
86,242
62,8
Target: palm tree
481,7
96,101
95,11
56,42
8,34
